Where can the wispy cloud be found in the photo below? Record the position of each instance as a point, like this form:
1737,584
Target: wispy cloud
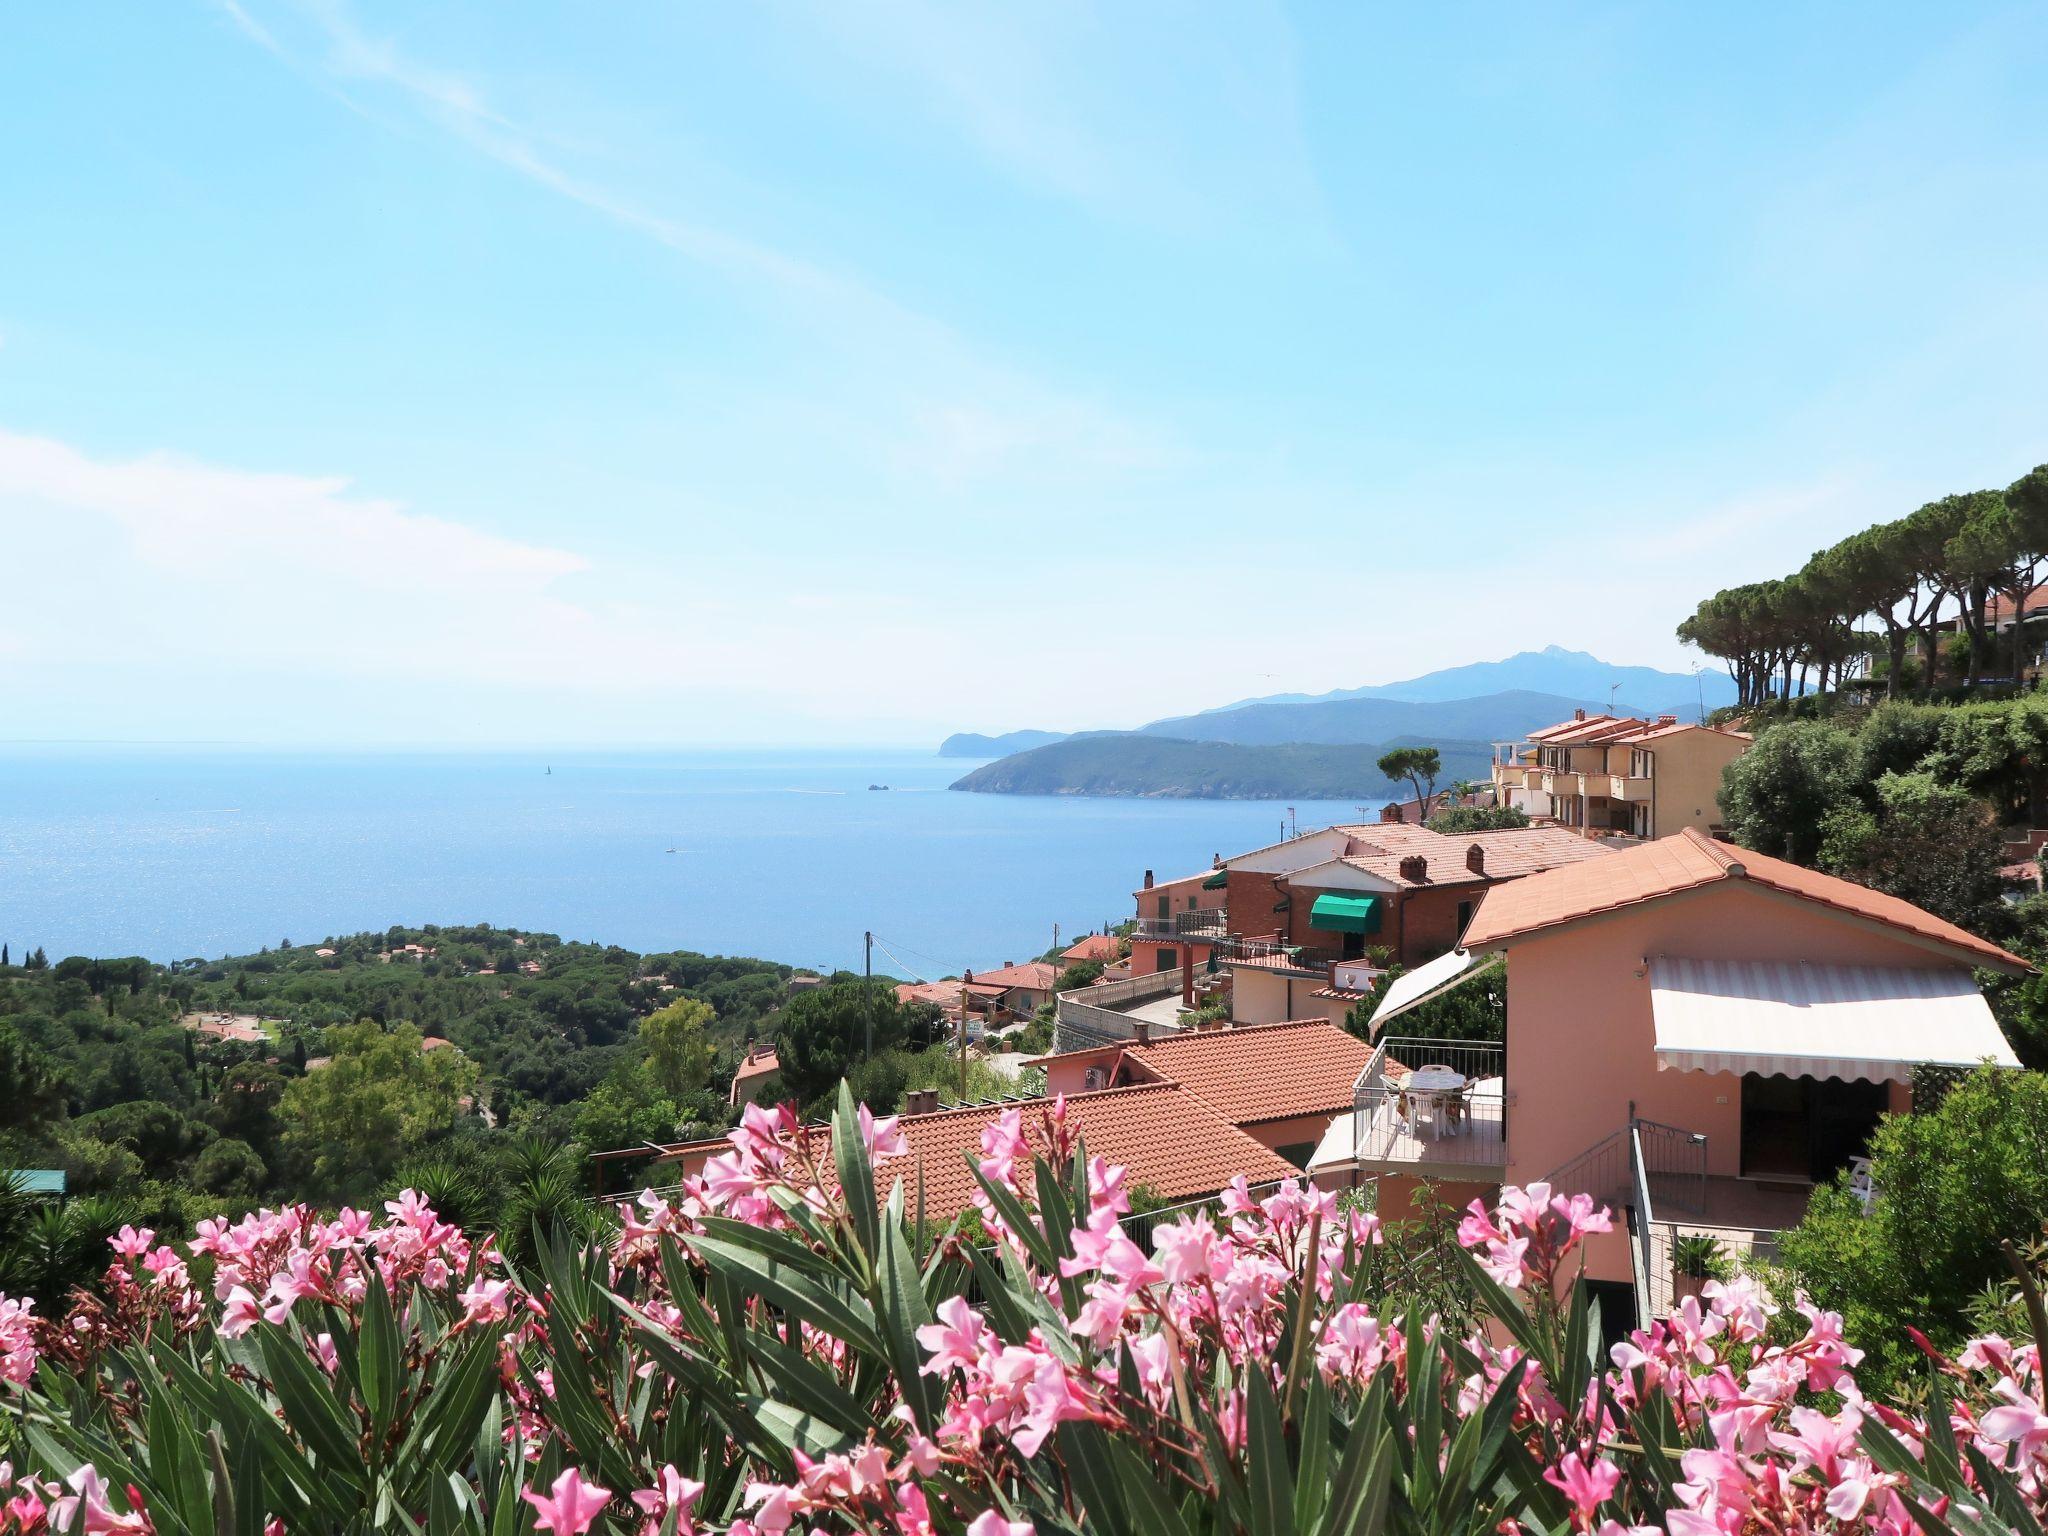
925,395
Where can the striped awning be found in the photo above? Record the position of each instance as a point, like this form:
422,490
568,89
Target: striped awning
1411,989
1791,1019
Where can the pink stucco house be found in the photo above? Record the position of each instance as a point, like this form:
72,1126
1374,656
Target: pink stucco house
1696,1033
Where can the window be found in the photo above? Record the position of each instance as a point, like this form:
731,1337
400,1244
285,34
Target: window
1464,916
1642,765
1169,959
1094,1078
1165,905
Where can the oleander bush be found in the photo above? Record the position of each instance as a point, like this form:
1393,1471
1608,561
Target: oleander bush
771,1350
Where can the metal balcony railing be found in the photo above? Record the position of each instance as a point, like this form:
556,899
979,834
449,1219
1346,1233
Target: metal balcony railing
1210,922
1431,1102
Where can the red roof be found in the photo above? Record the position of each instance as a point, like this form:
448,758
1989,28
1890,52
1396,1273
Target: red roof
1691,861
1036,974
940,994
1097,946
1379,847
1262,1071
1170,1141
758,1063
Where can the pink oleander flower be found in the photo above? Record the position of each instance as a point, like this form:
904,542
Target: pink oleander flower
883,1139
486,1301
989,1523
1186,1249
1588,1484
18,1349
571,1505
957,1339
672,1493
88,1499
130,1243
242,1313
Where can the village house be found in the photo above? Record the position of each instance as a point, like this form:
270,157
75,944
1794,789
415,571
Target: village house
1618,776
754,1075
1008,992
1696,1034
1311,920
946,996
1278,1083
1176,921
1095,949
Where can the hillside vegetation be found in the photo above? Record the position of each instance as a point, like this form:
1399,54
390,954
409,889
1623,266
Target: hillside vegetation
1166,768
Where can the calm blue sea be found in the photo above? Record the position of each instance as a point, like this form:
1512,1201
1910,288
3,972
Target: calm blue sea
785,855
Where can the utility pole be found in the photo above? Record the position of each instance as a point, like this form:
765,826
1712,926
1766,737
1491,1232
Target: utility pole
867,1002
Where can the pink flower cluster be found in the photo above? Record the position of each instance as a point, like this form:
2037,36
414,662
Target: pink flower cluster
1771,1412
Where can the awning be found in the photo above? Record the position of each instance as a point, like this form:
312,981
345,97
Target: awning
1216,880
1413,988
1345,914
1791,1019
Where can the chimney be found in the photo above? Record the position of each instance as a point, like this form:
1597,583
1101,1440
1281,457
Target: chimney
1141,1031
1475,859
1391,812
921,1101
1009,965
1667,719
1148,879
1578,714
1415,869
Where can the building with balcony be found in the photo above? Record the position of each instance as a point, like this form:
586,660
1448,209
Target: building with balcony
1619,777
1311,920
1176,921
1696,1034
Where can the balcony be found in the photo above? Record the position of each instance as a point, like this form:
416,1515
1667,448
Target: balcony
1625,787
1432,1107
1273,954
1207,923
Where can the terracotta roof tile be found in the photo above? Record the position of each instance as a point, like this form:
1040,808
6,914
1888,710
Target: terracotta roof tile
1687,862
1263,1071
1039,974
1097,946
1168,1139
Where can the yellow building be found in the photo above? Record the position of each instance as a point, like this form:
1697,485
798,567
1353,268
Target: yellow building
1617,776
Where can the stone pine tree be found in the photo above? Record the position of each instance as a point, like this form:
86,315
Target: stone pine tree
1419,766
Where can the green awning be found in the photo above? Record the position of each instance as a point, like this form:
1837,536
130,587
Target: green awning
1345,914
1217,879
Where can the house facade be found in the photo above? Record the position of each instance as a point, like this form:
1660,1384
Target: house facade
1618,776
1177,921
1311,920
1696,1034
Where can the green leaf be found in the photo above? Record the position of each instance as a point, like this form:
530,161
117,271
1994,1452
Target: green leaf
379,1354
309,1405
901,1309
1084,1450
856,1174
841,1316
796,1429
1270,1476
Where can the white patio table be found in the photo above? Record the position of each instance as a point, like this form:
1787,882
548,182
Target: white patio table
1436,1088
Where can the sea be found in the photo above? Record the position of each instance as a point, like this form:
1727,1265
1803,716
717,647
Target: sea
786,855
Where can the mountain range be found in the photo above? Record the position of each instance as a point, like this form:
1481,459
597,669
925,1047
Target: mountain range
1484,701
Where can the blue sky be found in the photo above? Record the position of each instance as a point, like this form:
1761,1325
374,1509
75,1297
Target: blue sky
691,374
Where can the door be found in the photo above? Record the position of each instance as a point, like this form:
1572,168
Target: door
1806,1128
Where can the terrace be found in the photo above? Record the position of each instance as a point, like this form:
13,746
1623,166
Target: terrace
1429,1107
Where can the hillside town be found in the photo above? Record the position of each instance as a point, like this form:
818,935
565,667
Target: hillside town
1694,1032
